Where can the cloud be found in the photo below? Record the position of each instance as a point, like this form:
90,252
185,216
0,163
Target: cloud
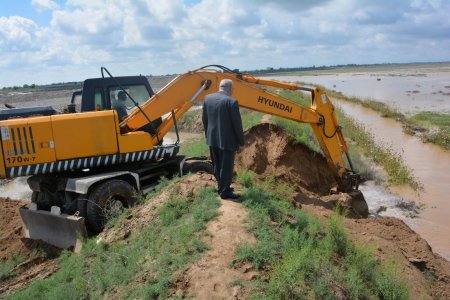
43,5
17,34
160,37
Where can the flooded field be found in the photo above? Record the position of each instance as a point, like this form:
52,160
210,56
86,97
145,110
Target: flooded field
411,90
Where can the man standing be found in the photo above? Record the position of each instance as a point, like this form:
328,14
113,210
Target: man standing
224,135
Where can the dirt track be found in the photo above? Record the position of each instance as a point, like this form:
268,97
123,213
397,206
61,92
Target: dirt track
308,172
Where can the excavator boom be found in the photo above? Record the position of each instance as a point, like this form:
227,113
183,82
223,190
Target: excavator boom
189,88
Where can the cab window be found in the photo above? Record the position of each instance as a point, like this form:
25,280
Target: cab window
98,99
138,92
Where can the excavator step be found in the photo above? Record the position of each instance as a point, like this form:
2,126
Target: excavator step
61,230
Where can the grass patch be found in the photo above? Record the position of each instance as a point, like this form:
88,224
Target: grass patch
437,127
246,178
194,148
191,121
143,266
301,258
250,118
7,267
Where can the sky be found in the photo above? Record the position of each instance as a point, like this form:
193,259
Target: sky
49,41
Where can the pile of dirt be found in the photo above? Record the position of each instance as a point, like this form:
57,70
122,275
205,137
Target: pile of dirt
269,151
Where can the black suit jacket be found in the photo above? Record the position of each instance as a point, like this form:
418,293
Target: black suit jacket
222,121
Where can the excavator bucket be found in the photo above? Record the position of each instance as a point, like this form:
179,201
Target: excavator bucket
358,203
61,230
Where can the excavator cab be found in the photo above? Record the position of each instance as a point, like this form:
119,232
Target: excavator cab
102,93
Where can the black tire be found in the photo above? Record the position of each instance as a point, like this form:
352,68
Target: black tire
106,201
39,199
198,166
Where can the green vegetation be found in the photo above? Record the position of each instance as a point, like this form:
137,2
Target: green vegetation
191,121
302,133
145,265
437,127
7,267
195,148
301,258
250,118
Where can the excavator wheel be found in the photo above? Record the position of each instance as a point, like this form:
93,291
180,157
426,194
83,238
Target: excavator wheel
39,199
106,201
198,166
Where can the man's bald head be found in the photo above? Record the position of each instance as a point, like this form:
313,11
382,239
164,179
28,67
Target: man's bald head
226,85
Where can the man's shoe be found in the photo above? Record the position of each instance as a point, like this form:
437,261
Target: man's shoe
231,189
230,195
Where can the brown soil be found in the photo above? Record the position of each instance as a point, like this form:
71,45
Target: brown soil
212,277
269,151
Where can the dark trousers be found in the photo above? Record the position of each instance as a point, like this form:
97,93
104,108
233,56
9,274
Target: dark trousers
223,161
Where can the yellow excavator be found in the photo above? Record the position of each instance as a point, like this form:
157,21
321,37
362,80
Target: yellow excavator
86,166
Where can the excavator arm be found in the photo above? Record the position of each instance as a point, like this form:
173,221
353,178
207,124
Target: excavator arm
189,88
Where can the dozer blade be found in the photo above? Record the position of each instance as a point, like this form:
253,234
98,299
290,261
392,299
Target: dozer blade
63,231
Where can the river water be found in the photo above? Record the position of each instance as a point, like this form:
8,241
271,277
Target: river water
430,164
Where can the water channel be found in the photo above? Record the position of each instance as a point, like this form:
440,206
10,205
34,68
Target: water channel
430,164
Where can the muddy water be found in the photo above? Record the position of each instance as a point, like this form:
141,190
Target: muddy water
430,164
